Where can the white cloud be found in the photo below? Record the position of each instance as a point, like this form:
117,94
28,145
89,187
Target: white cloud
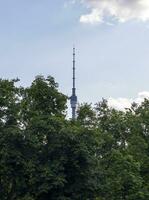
119,103
69,3
92,18
123,103
120,10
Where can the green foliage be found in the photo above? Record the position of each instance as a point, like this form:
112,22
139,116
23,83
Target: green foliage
102,155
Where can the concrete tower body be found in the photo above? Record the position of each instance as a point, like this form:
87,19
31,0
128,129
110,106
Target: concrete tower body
73,98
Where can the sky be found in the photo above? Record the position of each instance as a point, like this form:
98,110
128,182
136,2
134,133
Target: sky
111,39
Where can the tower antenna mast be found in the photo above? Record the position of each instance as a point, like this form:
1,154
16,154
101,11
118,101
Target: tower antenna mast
73,98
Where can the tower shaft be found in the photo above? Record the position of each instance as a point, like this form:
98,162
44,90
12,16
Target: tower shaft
73,98
74,68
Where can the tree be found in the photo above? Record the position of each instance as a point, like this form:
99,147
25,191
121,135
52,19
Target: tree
86,115
11,141
102,155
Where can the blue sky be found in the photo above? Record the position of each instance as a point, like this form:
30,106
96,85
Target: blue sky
36,37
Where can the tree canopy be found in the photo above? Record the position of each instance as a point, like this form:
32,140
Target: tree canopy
102,155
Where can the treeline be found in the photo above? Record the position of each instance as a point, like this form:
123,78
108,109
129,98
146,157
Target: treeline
102,155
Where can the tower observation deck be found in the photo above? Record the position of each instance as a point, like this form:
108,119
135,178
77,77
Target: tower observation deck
73,98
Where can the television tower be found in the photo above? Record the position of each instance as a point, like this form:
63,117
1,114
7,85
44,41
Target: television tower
73,98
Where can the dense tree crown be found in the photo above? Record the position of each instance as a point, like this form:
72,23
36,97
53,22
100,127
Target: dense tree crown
102,155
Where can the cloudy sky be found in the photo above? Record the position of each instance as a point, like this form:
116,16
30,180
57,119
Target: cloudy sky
111,39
